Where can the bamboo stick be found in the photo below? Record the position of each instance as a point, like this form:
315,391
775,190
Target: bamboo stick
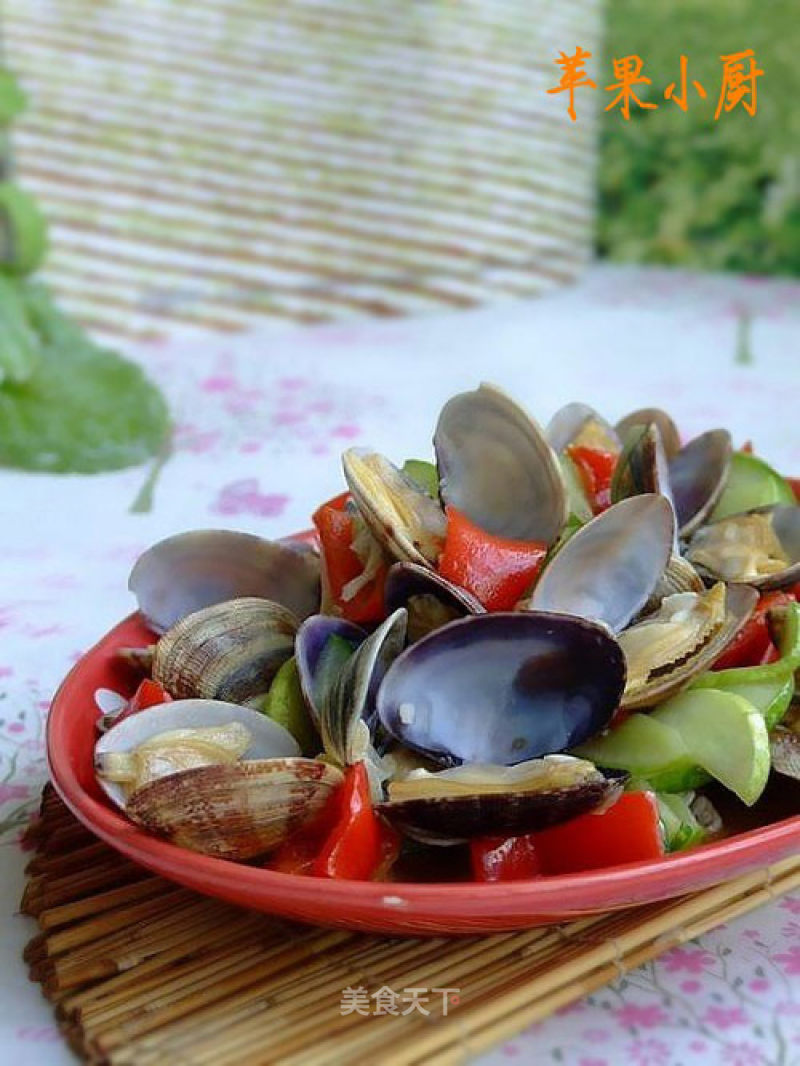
112,899
150,972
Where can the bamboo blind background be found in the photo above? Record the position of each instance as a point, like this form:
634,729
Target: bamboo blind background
141,972
224,162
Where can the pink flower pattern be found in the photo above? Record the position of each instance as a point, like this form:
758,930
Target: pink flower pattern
790,960
688,960
645,1017
245,497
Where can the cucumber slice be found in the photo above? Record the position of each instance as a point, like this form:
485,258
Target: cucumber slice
770,687
751,483
680,827
285,705
770,696
423,474
650,750
576,496
725,735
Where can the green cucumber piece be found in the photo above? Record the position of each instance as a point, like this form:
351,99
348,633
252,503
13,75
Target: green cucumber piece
771,696
769,687
680,827
650,750
751,483
423,474
576,496
285,705
726,736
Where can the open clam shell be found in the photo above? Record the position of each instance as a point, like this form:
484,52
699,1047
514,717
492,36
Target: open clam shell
478,800
184,573
229,651
666,650
345,733
430,599
267,739
761,548
496,467
784,745
645,416
402,517
503,688
697,475
578,423
642,465
237,811
608,569
312,638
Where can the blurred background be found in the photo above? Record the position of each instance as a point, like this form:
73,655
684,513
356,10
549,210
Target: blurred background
234,162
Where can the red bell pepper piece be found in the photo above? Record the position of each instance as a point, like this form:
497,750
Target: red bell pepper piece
795,484
504,858
360,845
298,854
148,694
340,564
753,644
629,831
495,570
596,468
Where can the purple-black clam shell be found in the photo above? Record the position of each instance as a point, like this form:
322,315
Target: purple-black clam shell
503,688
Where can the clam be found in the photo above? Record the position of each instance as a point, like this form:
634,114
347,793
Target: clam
496,466
697,475
503,688
642,465
402,517
184,573
608,569
761,548
486,800
319,658
344,731
171,737
784,745
579,424
645,416
236,811
430,599
690,630
229,651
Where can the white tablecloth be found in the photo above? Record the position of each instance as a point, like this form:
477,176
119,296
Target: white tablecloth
261,419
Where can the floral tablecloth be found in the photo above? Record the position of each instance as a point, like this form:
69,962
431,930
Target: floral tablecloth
261,419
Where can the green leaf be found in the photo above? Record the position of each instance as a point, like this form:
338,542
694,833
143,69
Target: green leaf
83,409
12,98
20,344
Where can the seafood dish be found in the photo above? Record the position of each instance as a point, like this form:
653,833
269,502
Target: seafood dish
545,650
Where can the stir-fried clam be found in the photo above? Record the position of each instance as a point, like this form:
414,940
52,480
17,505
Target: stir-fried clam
761,548
229,651
462,715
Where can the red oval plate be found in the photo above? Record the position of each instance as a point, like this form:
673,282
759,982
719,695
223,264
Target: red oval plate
441,909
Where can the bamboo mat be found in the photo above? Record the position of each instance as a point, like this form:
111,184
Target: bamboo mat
141,972
222,163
